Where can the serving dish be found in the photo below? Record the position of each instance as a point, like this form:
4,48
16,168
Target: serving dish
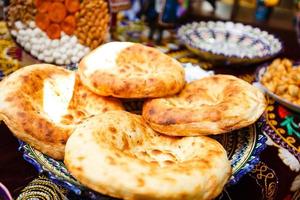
259,74
243,148
228,42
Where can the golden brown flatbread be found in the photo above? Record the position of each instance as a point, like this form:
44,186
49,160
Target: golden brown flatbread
41,104
121,156
211,105
130,70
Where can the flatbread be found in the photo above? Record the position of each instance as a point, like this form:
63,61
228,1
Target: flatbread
41,104
211,105
131,70
121,156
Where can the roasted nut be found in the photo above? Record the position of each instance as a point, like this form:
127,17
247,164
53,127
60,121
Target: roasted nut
283,79
293,90
93,19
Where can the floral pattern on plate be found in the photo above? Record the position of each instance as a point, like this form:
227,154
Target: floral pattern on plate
228,42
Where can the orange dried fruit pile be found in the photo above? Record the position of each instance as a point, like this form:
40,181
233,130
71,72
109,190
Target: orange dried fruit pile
54,16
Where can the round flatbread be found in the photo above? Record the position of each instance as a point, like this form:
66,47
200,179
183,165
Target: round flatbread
130,70
211,105
41,104
121,156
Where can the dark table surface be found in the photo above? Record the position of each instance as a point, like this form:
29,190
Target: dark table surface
16,173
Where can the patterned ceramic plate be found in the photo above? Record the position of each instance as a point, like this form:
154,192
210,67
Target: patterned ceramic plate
243,148
259,74
228,42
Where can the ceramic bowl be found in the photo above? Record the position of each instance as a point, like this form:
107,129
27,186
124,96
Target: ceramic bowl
228,42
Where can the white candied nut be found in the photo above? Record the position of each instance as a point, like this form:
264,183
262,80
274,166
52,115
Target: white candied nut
28,31
18,39
21,38
74,51
39,40
36,47
73,40
27,38
19,25
48,59
14,33
31,33
22,43
81,54
47,52
34,40
46,41
32,24
59,61
67,61
62,50
41,57
54,43
64,39
42,47
22,32
74,59
68,45
63,56
79,46
27,46
55,54
69,52
36,32
86,50
44,35
33,52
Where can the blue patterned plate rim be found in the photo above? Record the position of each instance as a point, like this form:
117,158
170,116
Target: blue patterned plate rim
181,34
35,158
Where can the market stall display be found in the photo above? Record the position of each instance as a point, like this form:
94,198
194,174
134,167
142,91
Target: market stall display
59,32
263,155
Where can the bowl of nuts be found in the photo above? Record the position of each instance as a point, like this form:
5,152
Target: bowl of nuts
281,80
59,32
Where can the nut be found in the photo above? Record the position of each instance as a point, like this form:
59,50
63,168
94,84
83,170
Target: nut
93,19
283,79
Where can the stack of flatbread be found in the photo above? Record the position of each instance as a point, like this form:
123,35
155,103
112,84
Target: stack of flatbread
161,154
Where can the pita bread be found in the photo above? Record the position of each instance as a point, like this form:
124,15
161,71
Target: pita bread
130,70
211,105
121,156
41,104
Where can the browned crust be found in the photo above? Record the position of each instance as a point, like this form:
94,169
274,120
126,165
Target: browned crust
140,72
120,146
21,107
212,105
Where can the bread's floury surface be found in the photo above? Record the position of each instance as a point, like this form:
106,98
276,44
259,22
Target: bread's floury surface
118,154
42,104
211,105
130,70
